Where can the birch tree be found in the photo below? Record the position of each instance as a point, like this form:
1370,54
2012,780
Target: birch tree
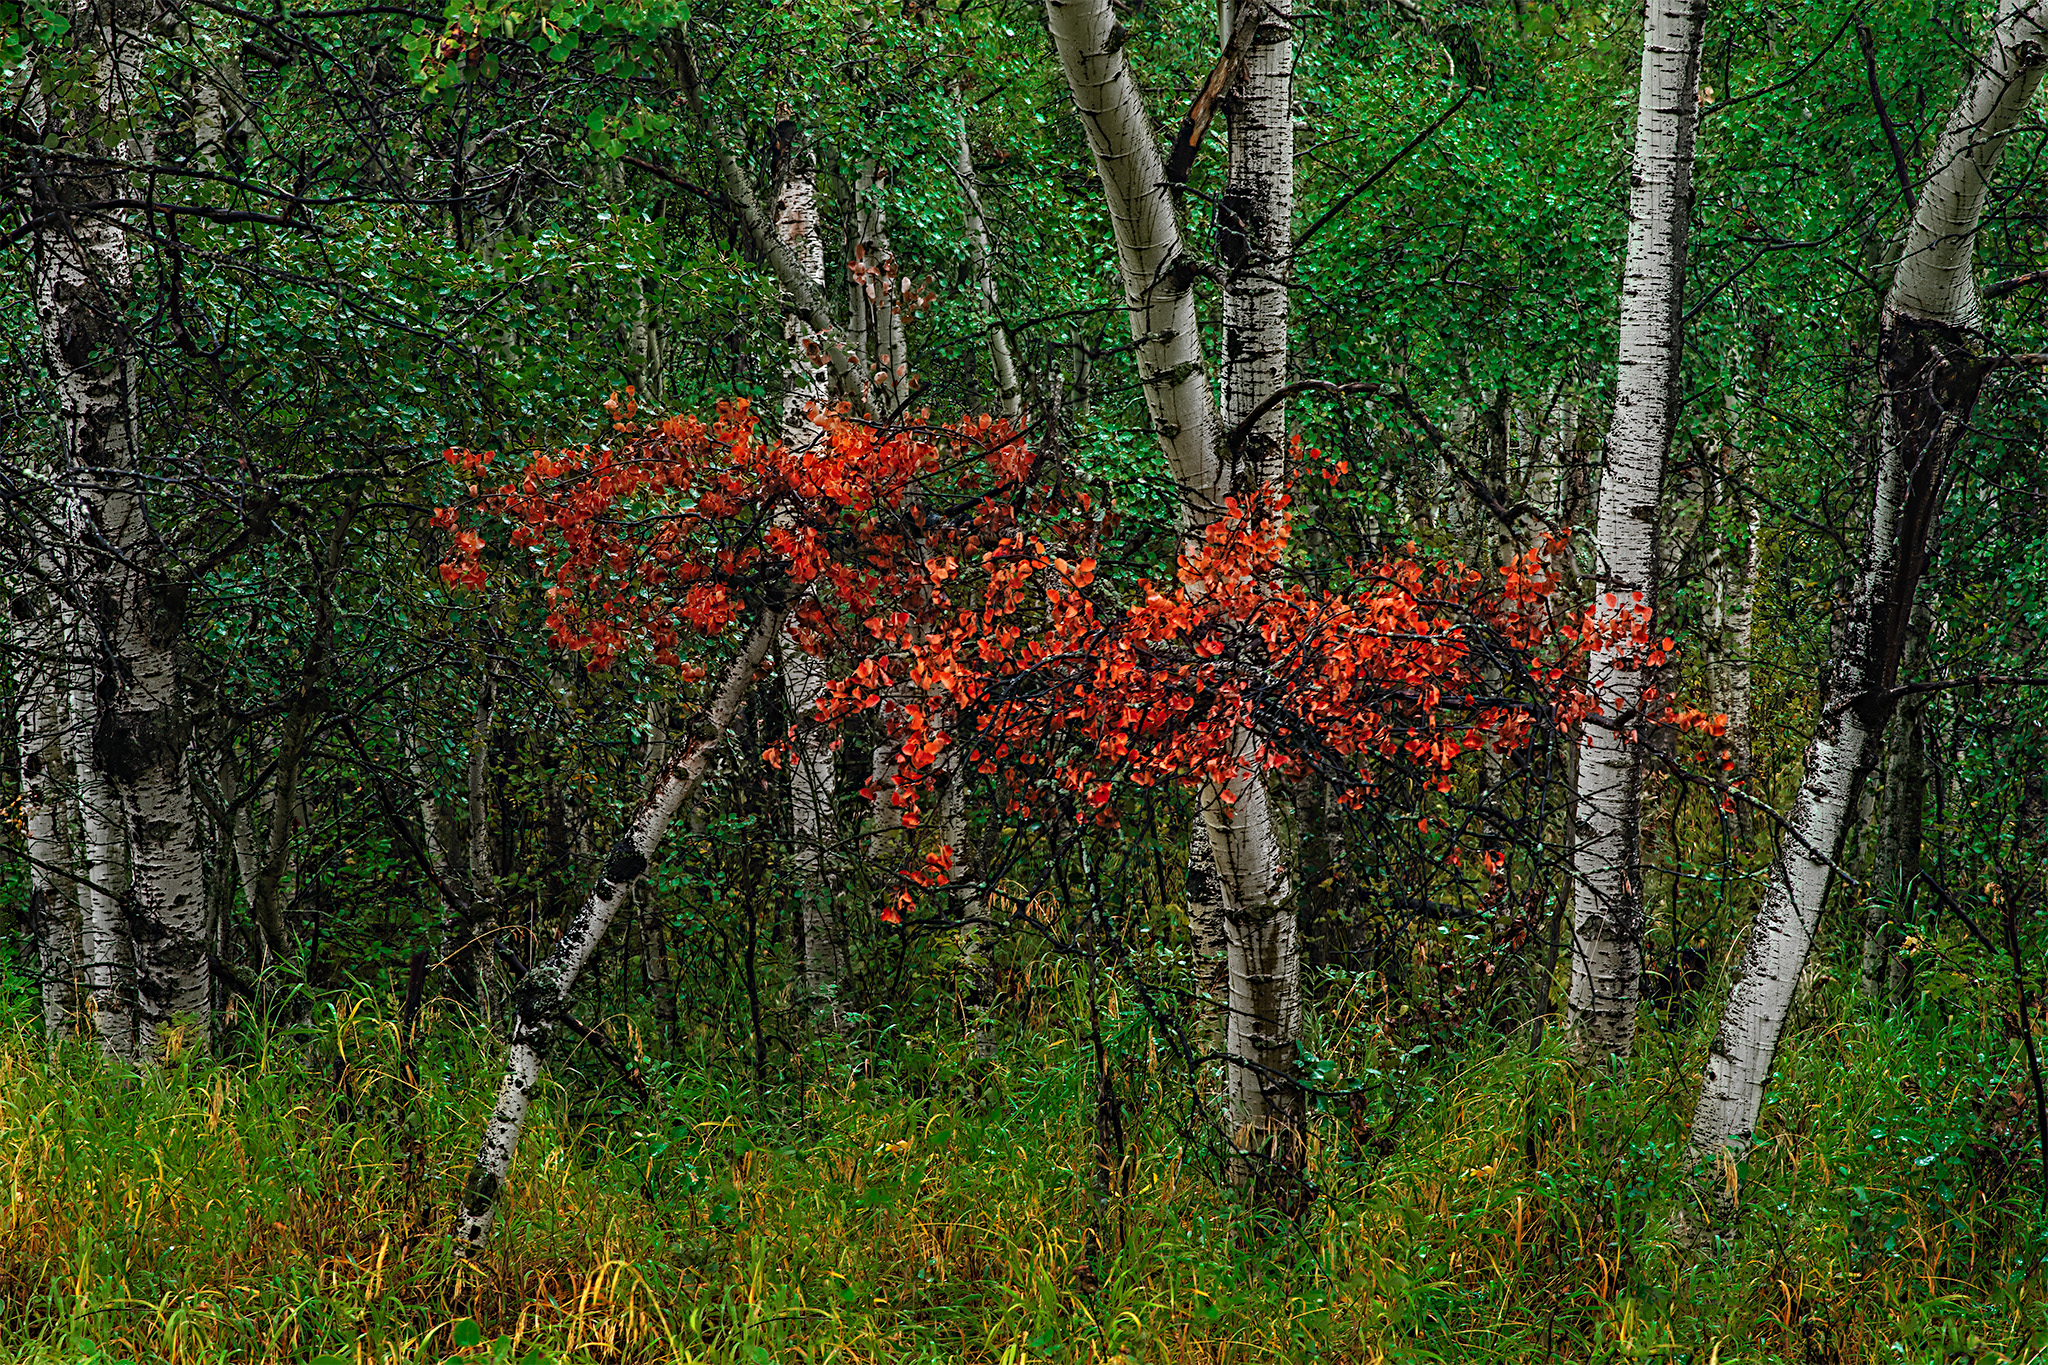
1607,898
109,955
84,290
981,263
542,996
53,912
1931,366
813,780
1158,279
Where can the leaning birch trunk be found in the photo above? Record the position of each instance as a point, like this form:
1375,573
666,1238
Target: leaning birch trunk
981,261
84,291
109,956
543,993
1930,370
653,939
39,732
813,779
1607,893
1158,279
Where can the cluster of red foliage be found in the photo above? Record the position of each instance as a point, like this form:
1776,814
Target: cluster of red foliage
961,602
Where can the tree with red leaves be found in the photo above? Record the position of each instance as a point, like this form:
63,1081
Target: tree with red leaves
947,590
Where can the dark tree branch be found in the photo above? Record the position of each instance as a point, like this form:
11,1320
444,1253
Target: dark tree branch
1396,159
1884,117
1229,66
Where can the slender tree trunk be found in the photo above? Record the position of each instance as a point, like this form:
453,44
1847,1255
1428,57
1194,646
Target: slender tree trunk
653,941
881,296
1254,237
475,963
39,697
1209,935
301,722
1732,576
813,780
1930,370
981,261
1607,898
1158,276
1263,952
242,835
109,954
440,840
1267,1115
84,291
964,887
1158,279
543,993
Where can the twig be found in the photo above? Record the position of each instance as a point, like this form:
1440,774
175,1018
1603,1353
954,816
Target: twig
1884,117
1396,159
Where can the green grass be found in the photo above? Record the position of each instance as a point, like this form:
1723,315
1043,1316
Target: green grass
292,1207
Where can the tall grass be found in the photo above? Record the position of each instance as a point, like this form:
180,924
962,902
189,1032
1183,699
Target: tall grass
292,1208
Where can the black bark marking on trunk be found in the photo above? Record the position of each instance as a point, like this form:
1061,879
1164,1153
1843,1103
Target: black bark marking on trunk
625,864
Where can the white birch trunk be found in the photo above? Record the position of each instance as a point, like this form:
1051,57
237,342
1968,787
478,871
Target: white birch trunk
802,286
84,290
109,956
653,939
1255,222
543,994
1266,1108
881,296
242,837
1158,279
813,779
981,262
39,688
1929,379
1607,895
1210,938
964,888
477,970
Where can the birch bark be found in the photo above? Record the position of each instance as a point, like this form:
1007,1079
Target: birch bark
965,889
813,779
1904,797
84,290
653,939
543,993
39,735
1254,226
109,955
1158,277
1607,898
475,966
1930,371
981,261
881,295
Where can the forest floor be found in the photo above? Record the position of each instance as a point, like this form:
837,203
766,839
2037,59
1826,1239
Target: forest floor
293,1206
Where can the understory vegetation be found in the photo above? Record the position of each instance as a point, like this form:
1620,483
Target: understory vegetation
1483,1203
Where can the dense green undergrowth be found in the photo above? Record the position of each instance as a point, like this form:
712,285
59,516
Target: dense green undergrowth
292,1207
